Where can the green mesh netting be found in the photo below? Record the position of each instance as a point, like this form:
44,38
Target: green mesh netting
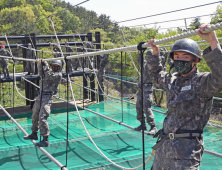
120,144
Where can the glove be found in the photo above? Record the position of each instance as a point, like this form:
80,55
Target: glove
139,46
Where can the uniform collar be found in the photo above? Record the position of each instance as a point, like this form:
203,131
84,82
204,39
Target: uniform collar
190,75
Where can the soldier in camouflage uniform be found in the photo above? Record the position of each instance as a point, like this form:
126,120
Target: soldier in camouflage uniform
30,65
57,52
147,99
69,50
4,61
89,60
86,48
42,107
189,101
101,71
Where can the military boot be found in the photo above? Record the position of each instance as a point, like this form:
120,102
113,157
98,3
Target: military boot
33,136
140,127
153,130
44,142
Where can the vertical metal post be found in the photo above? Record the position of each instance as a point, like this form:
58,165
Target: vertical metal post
143,124
185,23
92,76
98,46
27,85
92,86
122,83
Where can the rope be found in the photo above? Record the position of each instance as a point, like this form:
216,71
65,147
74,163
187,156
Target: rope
14,73
123,37
83,123
33,141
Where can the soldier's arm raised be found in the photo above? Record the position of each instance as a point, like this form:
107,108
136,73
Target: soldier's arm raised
212,82
159,77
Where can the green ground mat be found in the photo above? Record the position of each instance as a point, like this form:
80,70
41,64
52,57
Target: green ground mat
120,144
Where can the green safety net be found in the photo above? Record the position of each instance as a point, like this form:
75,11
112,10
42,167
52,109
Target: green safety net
122,145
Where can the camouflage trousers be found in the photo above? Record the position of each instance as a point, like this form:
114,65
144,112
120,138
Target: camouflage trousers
75,63
30,67
178,154
89,62
40,115
147,102
100,76
175,164
69,64
4,66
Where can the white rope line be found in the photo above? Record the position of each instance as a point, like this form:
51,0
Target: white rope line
96,76
92,139
14,78
134,47
123,37
84,125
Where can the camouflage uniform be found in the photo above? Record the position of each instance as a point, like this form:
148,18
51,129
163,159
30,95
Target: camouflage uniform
56,49
147,96
189,102
4,62
86,59
40,114
70,61
101,72
30,65
89,60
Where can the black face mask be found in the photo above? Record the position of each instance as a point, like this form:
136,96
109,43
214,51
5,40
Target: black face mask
55,68
179,65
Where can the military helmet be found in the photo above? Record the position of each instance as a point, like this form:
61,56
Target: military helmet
186,45
56,65
149,52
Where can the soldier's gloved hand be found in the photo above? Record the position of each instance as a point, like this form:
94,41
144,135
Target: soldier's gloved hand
139,46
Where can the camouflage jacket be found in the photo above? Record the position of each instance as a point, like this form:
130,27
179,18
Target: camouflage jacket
189,102
30,54
4,53
57,50
68,50
146,77
51,79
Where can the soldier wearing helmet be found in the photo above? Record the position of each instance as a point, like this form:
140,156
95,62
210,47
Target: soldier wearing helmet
189,100
70,51
30,65
42,107
4,61
147,99
57,51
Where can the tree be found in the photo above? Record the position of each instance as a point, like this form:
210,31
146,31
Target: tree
218,15
196,23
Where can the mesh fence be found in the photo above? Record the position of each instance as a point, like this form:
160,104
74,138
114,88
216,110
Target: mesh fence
120,144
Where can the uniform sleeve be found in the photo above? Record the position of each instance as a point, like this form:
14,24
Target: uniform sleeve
43,68
212,82
159,77
139,59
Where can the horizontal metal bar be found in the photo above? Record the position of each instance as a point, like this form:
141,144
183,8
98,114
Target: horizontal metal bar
44,37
